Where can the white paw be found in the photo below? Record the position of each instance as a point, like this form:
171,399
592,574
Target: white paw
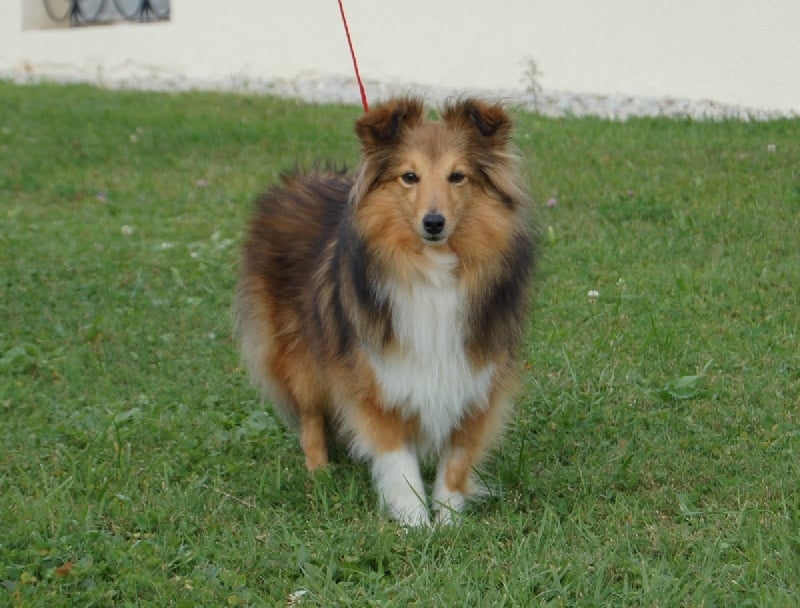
447,504
416,517
400,488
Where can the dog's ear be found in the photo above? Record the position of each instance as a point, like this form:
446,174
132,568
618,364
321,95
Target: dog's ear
489,121
383,124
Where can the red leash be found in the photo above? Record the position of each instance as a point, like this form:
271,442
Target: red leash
355,63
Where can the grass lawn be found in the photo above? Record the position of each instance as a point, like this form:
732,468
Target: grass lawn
655,456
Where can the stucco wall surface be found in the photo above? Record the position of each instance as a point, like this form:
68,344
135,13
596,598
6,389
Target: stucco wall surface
740,52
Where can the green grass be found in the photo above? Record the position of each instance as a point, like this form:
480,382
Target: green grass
655,457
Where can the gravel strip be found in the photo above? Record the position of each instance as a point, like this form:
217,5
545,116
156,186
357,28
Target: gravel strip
331,89
555,104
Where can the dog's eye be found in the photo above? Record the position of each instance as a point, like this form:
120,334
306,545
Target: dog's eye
456,177
410,178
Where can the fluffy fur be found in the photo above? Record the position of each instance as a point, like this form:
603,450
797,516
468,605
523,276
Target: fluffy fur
389,305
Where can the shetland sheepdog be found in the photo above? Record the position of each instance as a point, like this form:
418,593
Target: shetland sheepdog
387,306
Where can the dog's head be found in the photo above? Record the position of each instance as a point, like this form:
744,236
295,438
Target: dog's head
419,177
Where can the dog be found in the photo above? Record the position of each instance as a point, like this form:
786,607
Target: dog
386,307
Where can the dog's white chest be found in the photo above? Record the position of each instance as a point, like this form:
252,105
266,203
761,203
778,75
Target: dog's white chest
430,375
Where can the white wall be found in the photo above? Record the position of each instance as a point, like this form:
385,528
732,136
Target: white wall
741,52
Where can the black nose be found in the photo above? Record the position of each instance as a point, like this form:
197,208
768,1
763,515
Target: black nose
433,223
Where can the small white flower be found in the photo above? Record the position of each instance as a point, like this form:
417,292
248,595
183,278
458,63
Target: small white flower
771,148
593,294
127,229
295,597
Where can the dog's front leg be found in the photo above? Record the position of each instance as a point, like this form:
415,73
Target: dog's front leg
451,487
384,438
466,449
